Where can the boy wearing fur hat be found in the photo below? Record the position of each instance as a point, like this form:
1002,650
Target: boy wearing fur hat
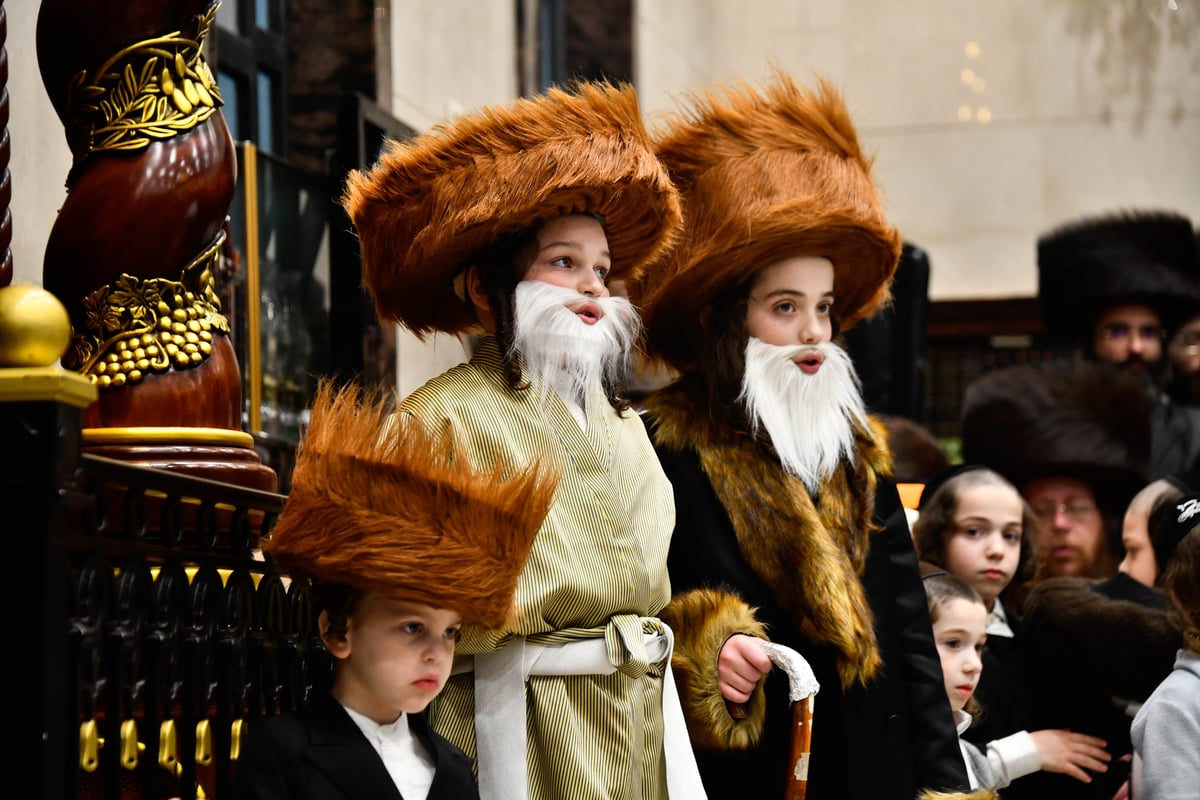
402,541
788,526
1118,286
514,220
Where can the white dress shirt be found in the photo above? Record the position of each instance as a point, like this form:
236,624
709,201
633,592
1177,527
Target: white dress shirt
406,759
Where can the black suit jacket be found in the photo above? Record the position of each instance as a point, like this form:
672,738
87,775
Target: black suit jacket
321,754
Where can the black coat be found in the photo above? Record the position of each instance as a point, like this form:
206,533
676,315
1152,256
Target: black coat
1097,646
886,741
1007,694
320,753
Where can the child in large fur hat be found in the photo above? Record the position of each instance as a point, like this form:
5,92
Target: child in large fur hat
515,222
431,207
788,525
402,542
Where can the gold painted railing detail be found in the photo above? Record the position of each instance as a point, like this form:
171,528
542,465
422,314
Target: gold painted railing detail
136,327
154,89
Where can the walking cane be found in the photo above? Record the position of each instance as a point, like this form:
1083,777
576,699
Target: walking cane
802,690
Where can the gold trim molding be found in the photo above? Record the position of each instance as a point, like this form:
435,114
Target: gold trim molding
134,327
167,435
155,89
45,384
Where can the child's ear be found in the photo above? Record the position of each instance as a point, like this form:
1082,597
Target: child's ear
704,313
475,291
337,645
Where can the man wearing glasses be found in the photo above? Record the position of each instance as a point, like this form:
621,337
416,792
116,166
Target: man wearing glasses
1074,438
1116,287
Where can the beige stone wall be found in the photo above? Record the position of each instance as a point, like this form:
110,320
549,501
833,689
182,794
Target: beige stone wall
40,157
1080,118
448,56
1086,107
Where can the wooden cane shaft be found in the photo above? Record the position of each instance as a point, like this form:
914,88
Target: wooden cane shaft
802,719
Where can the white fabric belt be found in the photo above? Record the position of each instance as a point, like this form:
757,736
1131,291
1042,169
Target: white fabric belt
500,734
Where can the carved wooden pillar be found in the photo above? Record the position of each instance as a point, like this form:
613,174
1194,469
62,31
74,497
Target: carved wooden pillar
133,251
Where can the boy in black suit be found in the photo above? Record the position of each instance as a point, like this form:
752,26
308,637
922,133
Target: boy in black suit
401,542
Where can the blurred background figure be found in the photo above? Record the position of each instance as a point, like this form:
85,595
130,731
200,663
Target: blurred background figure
1183,352
918,457
1166,731
1075,440
1118,626
1115,288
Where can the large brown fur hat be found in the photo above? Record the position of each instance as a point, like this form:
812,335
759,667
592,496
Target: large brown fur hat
379,503
766,175
429,206
1083,420
1143,257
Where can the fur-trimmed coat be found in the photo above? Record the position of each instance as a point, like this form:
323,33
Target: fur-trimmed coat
836,580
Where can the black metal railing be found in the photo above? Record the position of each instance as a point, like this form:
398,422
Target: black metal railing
163,633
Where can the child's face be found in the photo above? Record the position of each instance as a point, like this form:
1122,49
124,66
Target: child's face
959,634
1139,562
572,252
984,550
791,301
395,658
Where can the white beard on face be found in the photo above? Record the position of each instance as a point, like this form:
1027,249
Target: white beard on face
563,352
810,418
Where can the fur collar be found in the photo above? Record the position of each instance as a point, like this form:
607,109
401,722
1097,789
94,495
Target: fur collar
769,508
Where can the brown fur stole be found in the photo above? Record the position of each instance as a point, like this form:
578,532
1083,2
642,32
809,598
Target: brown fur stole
811,555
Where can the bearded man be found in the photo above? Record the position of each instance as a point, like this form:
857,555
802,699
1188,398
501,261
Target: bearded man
788,527
513,221
1116,287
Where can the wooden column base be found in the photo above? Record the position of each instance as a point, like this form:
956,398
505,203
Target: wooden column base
217,454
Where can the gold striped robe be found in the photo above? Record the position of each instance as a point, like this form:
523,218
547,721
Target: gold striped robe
600,554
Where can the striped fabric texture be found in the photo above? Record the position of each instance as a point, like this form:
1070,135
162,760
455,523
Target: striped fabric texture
601,554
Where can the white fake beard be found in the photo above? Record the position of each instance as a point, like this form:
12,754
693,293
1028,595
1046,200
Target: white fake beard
810,418
565,353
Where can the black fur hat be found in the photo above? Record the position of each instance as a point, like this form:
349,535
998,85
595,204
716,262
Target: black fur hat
1145,257
1082,420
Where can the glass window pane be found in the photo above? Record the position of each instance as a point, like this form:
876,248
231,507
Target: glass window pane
267,91
231,94
266,15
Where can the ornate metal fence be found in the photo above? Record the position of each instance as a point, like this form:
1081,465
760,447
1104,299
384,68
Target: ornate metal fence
149,631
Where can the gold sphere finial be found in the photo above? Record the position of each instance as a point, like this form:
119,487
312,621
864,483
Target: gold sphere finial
34,327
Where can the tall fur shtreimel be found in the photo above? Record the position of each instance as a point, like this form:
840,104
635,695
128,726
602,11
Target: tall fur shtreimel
430,205
377,502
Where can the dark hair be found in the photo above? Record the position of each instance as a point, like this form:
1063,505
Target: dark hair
917,455
935,523
723,355
339,602
1172,517
1181,582
501,267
